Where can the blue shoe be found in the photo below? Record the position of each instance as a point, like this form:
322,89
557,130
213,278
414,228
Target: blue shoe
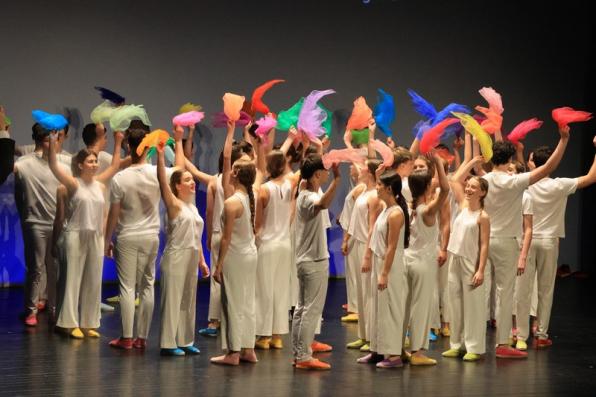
431,336
172,352
208,331
192,350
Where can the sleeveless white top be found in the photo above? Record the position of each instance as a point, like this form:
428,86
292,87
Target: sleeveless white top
243,237
186,229
378,240
359,222
218,205
423,239
465,233
346,212
277,213
85,208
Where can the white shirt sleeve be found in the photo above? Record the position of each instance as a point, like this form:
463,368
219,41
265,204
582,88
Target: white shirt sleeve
527,205
522,181
115,191
568,185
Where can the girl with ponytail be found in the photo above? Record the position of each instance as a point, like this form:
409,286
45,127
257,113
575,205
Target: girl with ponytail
390,236
421,257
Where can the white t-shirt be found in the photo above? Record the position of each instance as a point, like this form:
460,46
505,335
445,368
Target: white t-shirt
311,236
104,159
527,204
549,197
503,202
136,188
39,187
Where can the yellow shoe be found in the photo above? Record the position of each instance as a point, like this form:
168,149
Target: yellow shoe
407,341
263,343
350,318
445,331
472,357
137,302
405,356
365,348
276,343
452,353
113,299
92,333
422,360
357,344
77,333
521,345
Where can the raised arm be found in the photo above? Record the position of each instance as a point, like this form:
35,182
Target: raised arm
109,172
197,174
259,163
590,177
227,161
328,196
180,161
476,152
457,144
292,134
459,178
189,141
348,139
169,199
553,161
64,178
437,202
371,152
519,153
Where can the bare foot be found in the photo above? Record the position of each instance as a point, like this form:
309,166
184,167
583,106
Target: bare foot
228,359
249,356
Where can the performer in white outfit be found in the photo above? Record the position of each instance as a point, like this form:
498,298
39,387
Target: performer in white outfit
549,196
83,237
421,257
504,206
272,225
134,209
468,246
389,237
182,254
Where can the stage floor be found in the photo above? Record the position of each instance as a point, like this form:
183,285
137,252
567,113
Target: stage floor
39,362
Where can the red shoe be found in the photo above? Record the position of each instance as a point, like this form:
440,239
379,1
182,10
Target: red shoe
510,352
543,343
31,320
41,305
344,306
122,343
493,323
313,364
139,343
318,347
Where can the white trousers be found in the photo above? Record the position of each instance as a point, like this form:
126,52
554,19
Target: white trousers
40,277
214,287
272,297
364,291
546,257
352,266
84,264
444,290
468,308
388,308
135,262
313,278
503,254
421,275
238,325
178,297
522,298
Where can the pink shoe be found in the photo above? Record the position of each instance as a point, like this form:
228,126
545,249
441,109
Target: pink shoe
31,320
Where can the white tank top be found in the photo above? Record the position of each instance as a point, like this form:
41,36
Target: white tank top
423,239
243,237
218,205
346,212
359,222
277,213
186,229
464,238
378,240
85,208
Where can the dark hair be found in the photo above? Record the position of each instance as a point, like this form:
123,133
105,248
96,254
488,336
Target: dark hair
419,181
311,150
246,173
39,133
236,154
519,167
393,180
483,187
89,134
295,153
134,138
246,147
541,155
80,158
502,152
276,163
372,165
401,156
311,164
252,131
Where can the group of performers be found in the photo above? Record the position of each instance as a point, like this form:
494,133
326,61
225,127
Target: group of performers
433,243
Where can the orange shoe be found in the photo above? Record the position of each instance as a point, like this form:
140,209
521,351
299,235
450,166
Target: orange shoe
313,364
318,347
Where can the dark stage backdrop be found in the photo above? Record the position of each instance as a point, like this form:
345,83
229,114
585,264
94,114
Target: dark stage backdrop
162,54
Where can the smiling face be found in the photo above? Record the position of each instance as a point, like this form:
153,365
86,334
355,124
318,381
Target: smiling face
473,190
186,186
420,165
89,166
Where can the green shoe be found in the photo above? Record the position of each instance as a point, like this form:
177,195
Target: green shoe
365,348
472,357
357,344
452,353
